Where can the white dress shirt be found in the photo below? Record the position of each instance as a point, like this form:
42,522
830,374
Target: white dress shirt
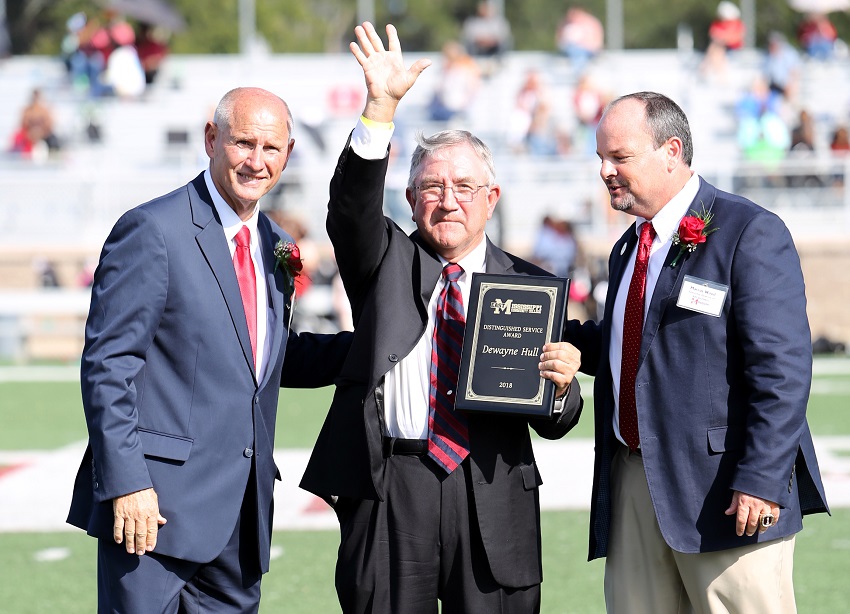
406,394
232,224
665,223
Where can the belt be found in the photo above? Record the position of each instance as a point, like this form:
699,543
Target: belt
394,445
629,451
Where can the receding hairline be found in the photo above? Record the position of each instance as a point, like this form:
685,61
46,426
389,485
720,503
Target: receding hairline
224,111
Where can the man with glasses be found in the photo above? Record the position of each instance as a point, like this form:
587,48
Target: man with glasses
433,504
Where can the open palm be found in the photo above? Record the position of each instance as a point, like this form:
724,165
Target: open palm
387,80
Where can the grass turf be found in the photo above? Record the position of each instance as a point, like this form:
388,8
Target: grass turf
301,578
55,572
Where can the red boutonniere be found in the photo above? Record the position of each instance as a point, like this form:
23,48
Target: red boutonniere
693,230
288,257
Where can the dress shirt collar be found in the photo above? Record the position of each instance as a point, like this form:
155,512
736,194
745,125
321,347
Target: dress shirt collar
231,222
473,262
666,221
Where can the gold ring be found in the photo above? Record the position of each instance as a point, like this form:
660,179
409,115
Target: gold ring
766,520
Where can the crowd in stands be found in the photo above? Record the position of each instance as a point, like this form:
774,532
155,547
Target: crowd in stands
110,57
106,56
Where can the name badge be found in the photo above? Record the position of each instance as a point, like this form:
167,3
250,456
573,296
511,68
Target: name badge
702,296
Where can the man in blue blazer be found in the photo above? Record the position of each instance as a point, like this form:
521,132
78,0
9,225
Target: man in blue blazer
704,460
181,371
414,531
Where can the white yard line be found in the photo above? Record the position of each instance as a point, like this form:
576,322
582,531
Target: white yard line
34,496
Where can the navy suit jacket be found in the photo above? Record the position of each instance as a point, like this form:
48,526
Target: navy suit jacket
389,278
721,401
168,383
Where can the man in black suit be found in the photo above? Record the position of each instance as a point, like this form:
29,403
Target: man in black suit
413,528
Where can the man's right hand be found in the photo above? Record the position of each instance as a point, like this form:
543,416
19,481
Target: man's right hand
387,81
137,520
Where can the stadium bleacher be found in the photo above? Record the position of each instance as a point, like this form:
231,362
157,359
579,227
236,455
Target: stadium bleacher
60,209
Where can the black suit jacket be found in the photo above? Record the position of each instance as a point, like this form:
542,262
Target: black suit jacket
390,277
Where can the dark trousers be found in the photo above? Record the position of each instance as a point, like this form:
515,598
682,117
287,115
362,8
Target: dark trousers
421,544
158,584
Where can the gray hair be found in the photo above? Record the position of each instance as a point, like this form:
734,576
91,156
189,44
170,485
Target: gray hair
224,111
428,146
664,119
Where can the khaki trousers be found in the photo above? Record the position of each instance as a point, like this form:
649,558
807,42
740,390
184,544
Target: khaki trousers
644,575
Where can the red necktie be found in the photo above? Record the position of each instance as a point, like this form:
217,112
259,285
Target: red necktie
632,331
247,283
448,436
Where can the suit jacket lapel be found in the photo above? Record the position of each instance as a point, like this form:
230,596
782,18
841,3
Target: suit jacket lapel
276,284
214,247
497,261
669,277
621,253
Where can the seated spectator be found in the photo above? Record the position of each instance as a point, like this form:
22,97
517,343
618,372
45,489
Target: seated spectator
782,66
589,100
35,137
803,134
487,33
727,30
555,247
152,50
762,133
458,83
580,37
725,34
124,73
37,121
817,36
530,127
840,142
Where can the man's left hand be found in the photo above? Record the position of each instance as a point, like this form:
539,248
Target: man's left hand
559,363
749,511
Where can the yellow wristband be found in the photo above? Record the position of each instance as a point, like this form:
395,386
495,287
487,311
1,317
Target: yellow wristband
373,125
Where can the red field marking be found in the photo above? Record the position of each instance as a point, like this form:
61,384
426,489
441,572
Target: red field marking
7,469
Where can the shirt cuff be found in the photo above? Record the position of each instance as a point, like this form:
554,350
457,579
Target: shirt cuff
371,139
558,408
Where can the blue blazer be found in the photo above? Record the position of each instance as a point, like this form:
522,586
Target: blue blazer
721,401
168,383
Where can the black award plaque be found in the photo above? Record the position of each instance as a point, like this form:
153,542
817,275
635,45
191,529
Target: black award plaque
509,319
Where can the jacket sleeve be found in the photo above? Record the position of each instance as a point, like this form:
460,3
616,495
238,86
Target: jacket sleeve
777,354
562,423
312,360
128,299
355,223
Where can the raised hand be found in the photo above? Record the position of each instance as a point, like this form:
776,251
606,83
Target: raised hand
387,80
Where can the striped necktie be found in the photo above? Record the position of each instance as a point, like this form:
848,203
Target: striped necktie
448,436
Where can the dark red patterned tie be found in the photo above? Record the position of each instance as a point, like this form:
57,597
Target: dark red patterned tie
448,436
632,331
247,283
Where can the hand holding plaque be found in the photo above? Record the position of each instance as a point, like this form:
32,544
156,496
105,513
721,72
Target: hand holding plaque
510,318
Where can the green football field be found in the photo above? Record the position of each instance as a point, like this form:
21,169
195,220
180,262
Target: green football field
55,572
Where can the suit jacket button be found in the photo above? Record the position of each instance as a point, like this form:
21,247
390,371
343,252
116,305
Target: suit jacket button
248,453
96,485
393,357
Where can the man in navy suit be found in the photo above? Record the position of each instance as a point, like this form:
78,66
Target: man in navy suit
704,460
187,346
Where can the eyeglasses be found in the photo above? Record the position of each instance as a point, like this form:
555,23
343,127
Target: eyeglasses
434,192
